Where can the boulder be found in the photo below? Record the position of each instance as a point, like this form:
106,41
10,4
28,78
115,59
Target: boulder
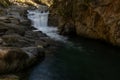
14,59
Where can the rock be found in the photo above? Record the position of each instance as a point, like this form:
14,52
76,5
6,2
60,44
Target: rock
9,77
25,2
35,54
34,51
4,27
15,41
1,40
20,45
12,59
53,20
3,31
41,44
67,29
97,19
47,2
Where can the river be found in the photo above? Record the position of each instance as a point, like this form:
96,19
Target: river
79,59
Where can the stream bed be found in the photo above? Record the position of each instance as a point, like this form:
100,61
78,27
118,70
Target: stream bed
78,59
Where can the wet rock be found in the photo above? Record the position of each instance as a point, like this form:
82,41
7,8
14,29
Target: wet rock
35,34
25,22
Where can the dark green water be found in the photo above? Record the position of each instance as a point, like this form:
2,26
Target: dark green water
83,59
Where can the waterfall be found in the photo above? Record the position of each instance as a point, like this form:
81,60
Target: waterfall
44,19
39,20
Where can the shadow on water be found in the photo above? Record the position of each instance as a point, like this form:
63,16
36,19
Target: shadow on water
91,60
86,60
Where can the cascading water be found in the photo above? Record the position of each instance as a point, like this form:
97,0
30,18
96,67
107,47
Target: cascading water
40,20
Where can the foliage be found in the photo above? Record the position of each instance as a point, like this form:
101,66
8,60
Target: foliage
4,3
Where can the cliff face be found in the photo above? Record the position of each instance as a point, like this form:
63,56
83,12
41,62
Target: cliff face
99,19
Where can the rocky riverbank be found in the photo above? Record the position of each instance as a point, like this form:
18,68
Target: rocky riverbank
20,46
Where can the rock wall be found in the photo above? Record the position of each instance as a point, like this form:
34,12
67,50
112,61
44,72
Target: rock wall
98,19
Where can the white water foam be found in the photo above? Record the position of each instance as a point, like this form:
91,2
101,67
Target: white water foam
40,21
